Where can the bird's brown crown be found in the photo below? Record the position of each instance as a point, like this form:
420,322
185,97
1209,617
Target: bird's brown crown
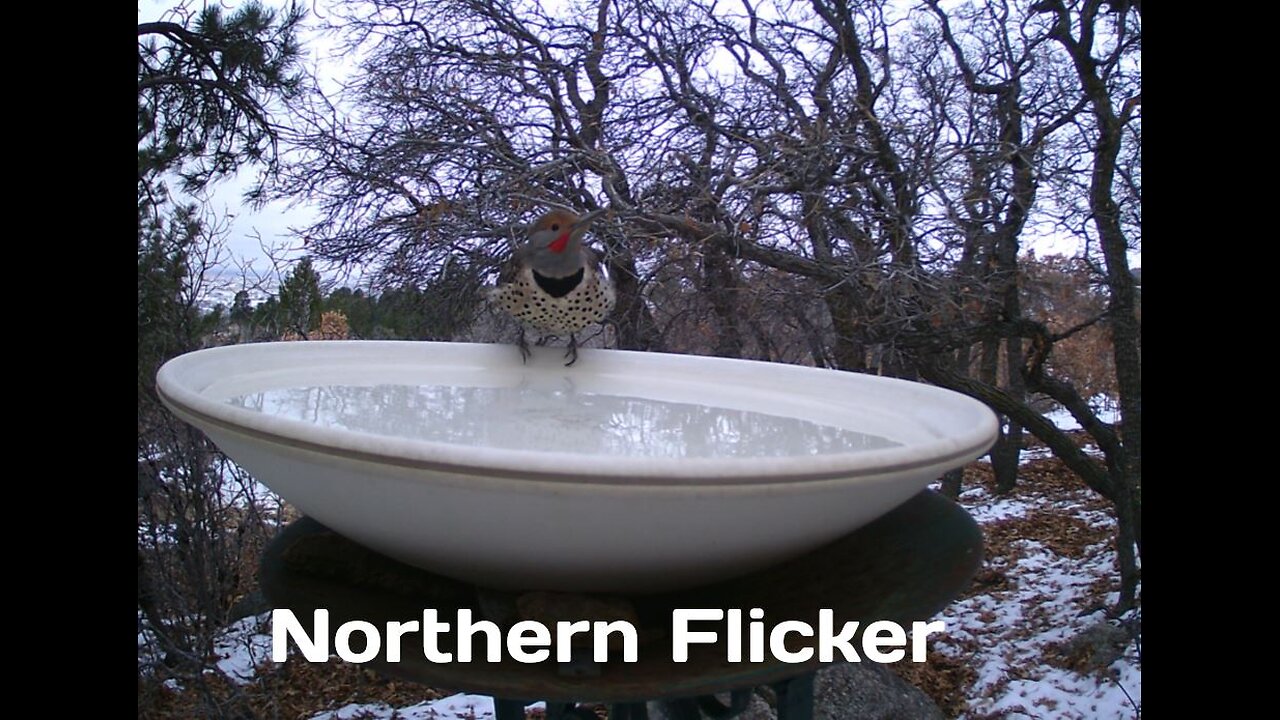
556,221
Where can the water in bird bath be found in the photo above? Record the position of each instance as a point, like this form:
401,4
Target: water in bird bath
549,419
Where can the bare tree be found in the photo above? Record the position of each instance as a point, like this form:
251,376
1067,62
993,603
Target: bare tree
847,184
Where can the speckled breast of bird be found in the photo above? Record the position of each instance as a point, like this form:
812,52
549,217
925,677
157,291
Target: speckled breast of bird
589,301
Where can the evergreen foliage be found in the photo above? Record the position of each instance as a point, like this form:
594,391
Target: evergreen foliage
204,88
301,299
205,82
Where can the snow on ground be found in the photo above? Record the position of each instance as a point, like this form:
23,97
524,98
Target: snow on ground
244,645
1013,633
454,707
240,649
984,508
1104,406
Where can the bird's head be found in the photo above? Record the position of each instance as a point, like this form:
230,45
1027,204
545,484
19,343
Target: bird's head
554,247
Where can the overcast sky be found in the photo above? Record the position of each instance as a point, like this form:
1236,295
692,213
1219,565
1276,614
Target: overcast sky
272,223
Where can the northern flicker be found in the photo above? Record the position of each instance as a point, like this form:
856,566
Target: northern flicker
553,285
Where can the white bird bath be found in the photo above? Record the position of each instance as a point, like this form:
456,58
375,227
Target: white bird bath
628,472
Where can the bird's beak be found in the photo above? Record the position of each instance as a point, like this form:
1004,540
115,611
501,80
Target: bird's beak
585,221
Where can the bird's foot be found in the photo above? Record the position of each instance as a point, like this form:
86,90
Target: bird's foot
572,352
525,352
605,326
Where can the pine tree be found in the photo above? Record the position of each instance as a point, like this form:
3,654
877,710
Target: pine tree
203,91
301,301
204,84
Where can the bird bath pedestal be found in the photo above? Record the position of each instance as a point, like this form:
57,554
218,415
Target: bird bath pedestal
904,567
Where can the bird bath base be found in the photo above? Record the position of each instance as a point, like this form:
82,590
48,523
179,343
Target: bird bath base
904,567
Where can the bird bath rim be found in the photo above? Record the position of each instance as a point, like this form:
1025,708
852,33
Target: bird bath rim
950,428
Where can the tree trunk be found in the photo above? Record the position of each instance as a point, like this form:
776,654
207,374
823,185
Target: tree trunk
1004,464
636,329
1127,528
1125,466
850,345
719,285
1005,460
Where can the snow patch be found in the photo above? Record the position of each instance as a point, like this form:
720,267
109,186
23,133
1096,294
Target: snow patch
244,645
1106,409
1047,601
454,707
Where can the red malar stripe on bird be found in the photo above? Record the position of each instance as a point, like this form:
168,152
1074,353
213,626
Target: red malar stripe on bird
558,245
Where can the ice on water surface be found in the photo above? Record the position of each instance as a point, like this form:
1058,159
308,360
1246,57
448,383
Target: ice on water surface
558,420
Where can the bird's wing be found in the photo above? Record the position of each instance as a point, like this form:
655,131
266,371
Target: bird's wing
591,259
511,268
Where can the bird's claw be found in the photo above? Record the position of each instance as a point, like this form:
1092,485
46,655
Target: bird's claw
572,351
525,352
